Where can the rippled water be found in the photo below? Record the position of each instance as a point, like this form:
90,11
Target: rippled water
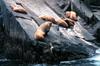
93,61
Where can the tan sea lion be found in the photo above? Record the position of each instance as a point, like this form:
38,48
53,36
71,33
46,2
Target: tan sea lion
42,30
47,18
18,8
39,34
72,15
62,23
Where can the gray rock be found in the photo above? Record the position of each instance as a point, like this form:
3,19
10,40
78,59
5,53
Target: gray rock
61,43
82,10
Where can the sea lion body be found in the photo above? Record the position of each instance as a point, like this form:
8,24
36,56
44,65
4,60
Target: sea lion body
62,23
69,22
18,8
47,18
72,15
39,34
42,30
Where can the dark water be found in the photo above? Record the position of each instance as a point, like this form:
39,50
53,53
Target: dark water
93,61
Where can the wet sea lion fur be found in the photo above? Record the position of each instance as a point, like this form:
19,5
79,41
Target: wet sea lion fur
47,18
42,30
71,14
62,23
70,22
18,8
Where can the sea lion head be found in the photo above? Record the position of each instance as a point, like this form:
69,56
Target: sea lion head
72,15
62,23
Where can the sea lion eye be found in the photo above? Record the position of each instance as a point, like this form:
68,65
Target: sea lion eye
44,19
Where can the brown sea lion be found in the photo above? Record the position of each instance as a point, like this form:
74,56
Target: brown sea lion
47,18
72,15
42,30
18,8
70,22
39,34
62,23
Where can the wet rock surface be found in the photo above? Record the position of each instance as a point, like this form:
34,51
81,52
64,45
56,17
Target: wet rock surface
38,52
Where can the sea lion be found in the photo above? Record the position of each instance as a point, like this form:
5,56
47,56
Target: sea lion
72,15
39,34
70,22
18,8
42,30
48,18
62,23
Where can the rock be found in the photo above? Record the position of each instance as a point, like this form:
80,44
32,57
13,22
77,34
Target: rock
60,43
92,2
1,22
82,10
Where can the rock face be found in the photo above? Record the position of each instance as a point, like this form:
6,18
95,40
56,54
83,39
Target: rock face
92,2
60,43
1,19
